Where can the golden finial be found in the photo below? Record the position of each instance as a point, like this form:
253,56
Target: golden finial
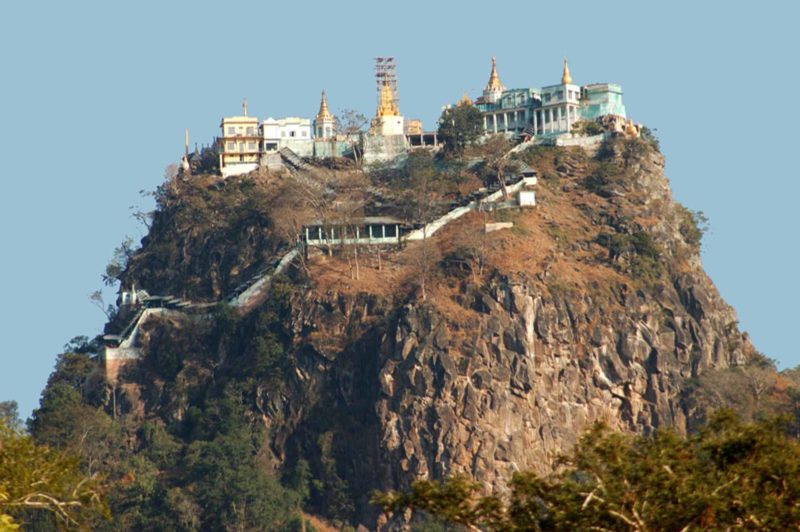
494,79
630,129
324,115
566,79
244,106
465,101
387,106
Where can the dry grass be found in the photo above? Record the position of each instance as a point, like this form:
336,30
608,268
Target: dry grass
335,272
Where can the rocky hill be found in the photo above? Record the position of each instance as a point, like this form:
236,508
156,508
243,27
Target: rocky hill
468,353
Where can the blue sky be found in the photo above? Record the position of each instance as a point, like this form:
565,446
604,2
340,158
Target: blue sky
95,97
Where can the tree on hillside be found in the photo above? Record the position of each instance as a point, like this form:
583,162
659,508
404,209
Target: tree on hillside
9,415
352,124
731,475
349,215
424,185
497,162
458,128
119,261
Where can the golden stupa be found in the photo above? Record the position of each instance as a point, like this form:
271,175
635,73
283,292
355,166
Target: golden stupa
566,79
324,115
494,80
387,106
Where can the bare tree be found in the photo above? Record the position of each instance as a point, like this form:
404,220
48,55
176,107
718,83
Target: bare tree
470,250
497,151
352,125
349,214
321,197
424,191
96,298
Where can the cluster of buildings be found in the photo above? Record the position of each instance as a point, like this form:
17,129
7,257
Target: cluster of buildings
245,143
550,110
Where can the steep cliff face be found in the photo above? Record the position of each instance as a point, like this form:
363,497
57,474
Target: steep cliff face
594,307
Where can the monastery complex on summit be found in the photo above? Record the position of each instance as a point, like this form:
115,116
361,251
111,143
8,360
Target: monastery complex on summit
545,114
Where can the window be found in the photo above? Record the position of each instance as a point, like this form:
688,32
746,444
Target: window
231,130
231,146
291,133
283,133
250,131
251,146
304,133
391,231
547,97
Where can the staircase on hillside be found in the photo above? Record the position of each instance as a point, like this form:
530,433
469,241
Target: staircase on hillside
526,134
293,159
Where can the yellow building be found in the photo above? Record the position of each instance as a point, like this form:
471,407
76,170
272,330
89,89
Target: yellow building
414,127
239,144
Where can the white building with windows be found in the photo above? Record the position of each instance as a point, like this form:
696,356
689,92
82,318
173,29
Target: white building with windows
546,111
291,132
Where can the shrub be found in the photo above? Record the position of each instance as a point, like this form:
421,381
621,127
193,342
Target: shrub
585,127
638,248
693,226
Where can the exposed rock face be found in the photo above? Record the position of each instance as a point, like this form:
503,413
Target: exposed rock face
517,386
518,391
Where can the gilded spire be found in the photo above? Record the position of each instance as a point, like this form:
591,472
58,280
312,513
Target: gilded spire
630,129
566,79
324,115
387,106
465,101
494,79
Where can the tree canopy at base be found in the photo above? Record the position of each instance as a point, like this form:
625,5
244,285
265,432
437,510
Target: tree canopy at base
730,475
36,479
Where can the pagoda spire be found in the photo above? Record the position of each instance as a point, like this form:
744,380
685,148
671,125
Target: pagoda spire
387,106
465,101
566,79
324,114
494,80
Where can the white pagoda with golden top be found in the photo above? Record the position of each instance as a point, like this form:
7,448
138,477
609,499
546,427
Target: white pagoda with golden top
387,121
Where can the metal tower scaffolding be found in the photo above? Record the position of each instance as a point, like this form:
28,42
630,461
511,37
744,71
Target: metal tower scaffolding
386,72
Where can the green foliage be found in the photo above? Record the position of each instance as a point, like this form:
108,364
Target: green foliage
9,415
638,247
693,226
200,225
604,176
231,488
730,475
589,128
119,261
330,491
36,479
459,127
648,135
